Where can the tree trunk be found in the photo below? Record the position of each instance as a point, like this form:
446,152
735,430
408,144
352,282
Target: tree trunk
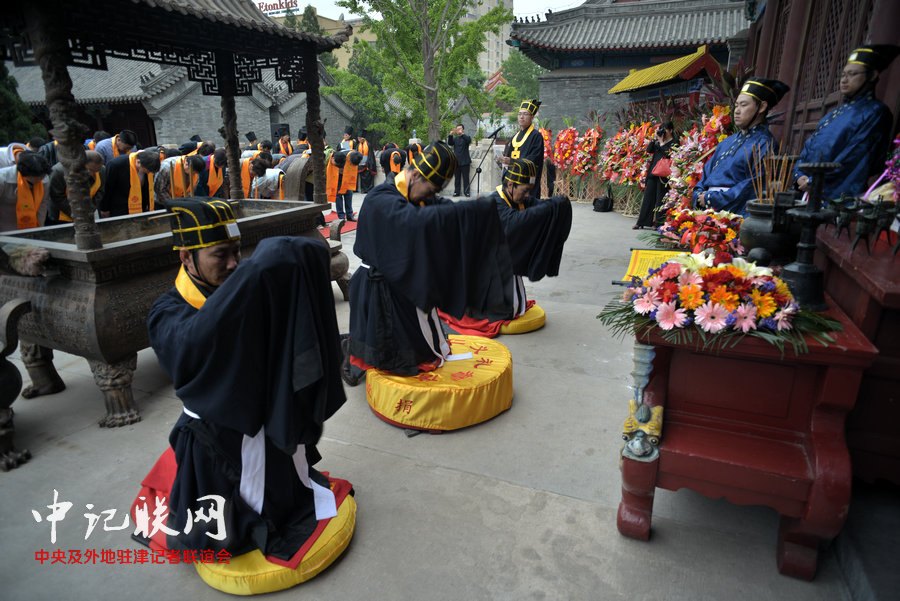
52,53
228,131
315,129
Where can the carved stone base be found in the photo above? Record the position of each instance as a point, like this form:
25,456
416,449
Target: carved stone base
10,458
114,381
38,361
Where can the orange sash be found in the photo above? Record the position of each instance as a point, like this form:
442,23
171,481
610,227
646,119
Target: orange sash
410,154
135,204
92,145
28,201
285,147
176,180
216,178
281,186
348,181
395,165
331,178
115,148
246,179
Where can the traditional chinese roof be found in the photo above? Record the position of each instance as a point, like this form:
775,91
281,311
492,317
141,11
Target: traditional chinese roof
686,67
495,80
603,26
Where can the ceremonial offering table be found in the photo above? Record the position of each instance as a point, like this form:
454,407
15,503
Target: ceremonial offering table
867,287
94,303
757,428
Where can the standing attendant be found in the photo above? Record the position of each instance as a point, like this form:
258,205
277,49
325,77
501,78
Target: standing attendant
855,134
528,143
655,186
459,142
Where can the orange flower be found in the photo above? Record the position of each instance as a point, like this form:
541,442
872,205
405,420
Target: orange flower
722,296
765,304
691,296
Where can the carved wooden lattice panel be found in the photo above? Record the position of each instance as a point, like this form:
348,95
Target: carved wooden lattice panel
780,35
835,28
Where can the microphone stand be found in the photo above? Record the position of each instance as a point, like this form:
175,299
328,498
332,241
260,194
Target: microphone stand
493,136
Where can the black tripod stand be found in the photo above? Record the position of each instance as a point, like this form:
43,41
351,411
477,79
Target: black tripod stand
490,149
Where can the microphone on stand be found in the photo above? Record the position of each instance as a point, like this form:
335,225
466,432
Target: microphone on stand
496,131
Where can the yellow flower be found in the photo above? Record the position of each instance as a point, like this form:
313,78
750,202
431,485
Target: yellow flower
691,296
765,304
722,137
782,289
729,300
730,235
736,271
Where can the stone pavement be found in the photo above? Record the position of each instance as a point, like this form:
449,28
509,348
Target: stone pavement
520,507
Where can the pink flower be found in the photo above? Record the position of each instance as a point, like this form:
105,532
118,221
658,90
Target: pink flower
654,282
646,303
669,317
671,270
783,318
630,294
688,278
711,316
745,317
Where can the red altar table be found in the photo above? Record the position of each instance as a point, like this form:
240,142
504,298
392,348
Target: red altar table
757,428
866,286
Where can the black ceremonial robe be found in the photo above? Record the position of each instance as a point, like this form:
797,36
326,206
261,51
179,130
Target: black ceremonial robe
530,144
415,258
260,356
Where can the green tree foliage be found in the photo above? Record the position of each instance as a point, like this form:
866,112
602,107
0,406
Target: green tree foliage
360,87
423,53
309,23
15,116
522,74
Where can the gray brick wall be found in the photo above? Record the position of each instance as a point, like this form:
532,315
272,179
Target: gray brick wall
575,92
182,111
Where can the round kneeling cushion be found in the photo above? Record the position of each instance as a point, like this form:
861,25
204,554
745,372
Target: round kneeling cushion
458,394
532,320
252,574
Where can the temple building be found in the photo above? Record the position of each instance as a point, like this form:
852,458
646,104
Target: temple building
162,106
591,48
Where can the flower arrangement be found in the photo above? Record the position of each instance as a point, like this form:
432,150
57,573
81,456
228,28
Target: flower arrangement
697,230
624,159
548,142
566,146
694,149
586,154
718,298
891,174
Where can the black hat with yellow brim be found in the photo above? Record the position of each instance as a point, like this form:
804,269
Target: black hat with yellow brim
436,163
874,56
765,90
521,171
531,106
199,223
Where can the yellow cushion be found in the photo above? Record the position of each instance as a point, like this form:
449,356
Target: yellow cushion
459,394
252,574
532,320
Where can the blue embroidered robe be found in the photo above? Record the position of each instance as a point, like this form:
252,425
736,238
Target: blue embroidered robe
855,134
729,168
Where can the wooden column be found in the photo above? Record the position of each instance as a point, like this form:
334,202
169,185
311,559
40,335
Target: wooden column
314,126
789,69
51,51
228,131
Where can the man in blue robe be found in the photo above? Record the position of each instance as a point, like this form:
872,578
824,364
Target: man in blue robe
727,181
420,252
855,134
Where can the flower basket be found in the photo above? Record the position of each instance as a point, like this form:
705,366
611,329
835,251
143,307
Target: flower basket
715,300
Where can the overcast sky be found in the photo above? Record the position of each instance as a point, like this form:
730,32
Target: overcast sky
327,8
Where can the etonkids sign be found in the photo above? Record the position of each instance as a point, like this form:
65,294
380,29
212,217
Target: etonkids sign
278,8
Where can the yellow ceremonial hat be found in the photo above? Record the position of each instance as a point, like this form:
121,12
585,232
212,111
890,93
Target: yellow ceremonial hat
198,223
437,163
521,171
